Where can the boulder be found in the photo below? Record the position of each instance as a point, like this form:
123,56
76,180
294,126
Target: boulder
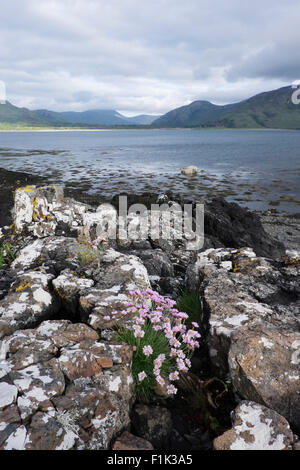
256,427
264,366
189,170
234,226
239,289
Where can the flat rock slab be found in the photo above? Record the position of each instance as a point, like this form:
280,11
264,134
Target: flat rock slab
8,394
28,302
70,390
256,427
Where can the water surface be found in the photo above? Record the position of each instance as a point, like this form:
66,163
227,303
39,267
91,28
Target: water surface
256,168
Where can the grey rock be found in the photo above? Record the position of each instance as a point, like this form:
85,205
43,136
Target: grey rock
153,423
240,289
85,411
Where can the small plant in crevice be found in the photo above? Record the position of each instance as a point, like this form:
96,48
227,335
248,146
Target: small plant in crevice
90,251
163,344
207,398
7,255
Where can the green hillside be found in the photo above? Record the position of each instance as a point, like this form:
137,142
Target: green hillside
12,116
273,109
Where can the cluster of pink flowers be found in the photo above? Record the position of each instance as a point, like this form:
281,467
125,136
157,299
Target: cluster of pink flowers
95,243
149,307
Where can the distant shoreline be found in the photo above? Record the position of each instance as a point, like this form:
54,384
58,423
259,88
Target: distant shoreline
104,129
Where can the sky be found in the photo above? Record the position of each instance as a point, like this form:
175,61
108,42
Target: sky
148,57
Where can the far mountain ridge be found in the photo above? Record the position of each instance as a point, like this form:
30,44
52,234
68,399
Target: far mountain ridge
11,115
272,109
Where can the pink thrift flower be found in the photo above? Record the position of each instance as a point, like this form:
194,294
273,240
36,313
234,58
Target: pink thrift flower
161,357
142,375
157,328
147,350
138,332
180,354
173,352
188,363
160,380
171,390
181,365
174,376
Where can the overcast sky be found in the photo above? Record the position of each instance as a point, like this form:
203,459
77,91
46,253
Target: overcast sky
141,56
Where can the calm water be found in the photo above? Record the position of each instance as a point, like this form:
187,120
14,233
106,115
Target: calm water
259,169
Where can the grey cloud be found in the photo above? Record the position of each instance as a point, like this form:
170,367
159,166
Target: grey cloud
145,56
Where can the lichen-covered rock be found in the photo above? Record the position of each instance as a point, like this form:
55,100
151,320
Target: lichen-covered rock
69,286
8,394
10,421
156,262
71,390
44,212
240,289
28,302
264,366
117,276
59,252
39,210
256,427
37,384
47,432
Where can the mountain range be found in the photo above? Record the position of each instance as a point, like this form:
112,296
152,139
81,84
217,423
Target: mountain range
272,109
11,115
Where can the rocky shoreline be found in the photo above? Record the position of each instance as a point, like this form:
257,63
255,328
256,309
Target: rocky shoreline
66,384
283,227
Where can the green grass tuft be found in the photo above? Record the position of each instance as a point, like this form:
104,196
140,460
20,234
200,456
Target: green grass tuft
7,255
189,302
160,345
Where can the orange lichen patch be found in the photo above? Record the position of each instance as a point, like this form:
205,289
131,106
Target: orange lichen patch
35,214
26,188
291,261
23,286
61,295
235,268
